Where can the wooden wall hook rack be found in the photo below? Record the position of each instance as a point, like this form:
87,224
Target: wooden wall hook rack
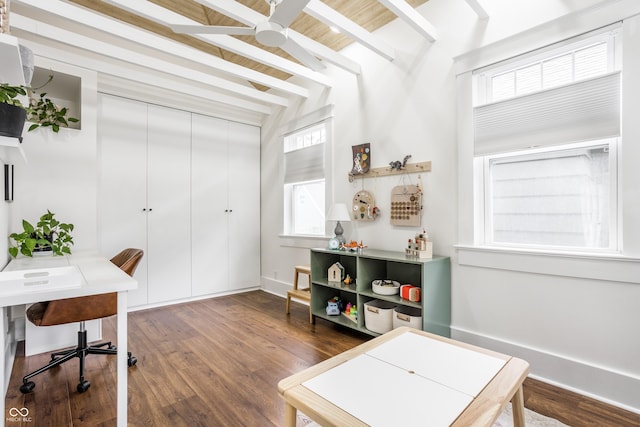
388,171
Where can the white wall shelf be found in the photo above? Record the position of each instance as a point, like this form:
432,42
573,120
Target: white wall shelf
11,65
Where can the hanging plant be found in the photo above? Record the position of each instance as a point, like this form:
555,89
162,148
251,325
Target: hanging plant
41,111
44,113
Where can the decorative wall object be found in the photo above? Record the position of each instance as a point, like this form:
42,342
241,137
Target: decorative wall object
400,165
8,183
361,155
406,205
364,206
389,171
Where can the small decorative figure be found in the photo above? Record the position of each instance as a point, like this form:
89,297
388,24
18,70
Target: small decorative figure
333,307
399,165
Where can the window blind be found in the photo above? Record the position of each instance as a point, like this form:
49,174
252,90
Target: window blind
304,164
585,110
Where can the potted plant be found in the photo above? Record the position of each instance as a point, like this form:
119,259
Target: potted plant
49,234
41,110
12,113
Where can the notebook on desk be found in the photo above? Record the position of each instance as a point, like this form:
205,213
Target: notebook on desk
40,279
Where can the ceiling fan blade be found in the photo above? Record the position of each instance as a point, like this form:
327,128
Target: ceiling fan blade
302,55
287,11
212,29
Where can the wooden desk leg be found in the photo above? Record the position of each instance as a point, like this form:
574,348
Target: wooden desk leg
517,406
290,414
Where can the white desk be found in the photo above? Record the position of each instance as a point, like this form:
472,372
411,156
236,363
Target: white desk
99,276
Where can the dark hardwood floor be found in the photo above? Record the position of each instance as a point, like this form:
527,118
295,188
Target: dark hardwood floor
217,362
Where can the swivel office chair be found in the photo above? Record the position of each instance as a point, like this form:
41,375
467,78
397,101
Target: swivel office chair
81,309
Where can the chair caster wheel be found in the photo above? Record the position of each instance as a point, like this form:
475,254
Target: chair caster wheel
27,387
112,347
83,386
132,361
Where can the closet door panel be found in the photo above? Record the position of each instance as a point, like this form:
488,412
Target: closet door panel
244,199
209,215
168,204
122,154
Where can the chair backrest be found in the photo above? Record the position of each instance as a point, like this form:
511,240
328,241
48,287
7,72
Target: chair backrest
71,310
128,260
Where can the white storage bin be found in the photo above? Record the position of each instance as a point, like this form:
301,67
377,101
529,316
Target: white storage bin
378,316
407,316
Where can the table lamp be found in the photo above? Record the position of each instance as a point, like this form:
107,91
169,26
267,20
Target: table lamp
339,212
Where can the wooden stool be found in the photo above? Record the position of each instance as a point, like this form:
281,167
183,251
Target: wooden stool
303,294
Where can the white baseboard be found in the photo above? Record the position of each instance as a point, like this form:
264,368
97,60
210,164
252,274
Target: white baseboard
275,287
598,382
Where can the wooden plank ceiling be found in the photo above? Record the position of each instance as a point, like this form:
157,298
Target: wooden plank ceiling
369,14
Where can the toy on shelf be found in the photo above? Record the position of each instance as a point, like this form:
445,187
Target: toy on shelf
351,312
333,306
353,246
420,247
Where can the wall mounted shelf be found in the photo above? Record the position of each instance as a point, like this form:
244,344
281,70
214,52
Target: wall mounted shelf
388,171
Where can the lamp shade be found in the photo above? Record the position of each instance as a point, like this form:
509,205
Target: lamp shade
338,212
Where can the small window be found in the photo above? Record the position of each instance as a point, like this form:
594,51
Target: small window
304,181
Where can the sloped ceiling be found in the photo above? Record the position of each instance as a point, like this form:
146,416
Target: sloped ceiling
245,74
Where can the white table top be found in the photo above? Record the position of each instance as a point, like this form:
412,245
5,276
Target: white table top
408,378
97,275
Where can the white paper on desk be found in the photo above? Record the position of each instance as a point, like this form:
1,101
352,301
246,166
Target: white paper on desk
383,395
460,368
39,280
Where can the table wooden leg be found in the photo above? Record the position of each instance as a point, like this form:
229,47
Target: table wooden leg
290,414
517,406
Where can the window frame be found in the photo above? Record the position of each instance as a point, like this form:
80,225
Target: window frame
481,86
323,115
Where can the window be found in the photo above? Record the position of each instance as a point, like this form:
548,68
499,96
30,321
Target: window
558,198
546,135
304,181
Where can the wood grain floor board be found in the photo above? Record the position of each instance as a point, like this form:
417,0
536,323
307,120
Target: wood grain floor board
217,362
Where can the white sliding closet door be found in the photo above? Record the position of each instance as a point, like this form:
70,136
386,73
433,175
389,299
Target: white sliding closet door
244,199
122,188
168,203
210,212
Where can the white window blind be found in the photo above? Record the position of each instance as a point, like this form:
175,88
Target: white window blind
589,109
304,164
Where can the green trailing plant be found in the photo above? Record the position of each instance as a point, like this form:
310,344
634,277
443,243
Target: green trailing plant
48,233
41,111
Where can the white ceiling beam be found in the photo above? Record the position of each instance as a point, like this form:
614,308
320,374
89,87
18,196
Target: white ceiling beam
478,9
107,49
331,17
125,72
144,38
166,17
250,17
326,53
404,11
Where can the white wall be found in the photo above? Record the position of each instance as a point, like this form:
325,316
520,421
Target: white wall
578,332
60,169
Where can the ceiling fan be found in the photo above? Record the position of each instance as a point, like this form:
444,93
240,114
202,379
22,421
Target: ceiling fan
272,32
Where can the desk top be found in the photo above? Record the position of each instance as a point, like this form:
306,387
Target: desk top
98,275
406,376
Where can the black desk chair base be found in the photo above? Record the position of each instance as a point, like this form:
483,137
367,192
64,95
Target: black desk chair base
81,351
